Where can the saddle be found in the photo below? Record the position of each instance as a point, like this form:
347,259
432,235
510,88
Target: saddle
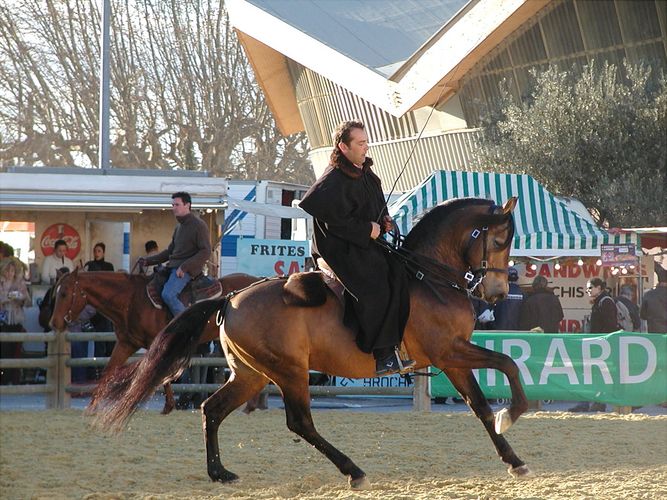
200,288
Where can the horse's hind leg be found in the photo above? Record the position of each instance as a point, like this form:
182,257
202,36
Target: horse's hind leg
243,384
300,421
464,382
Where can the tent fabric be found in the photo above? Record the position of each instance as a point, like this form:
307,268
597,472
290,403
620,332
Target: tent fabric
544,225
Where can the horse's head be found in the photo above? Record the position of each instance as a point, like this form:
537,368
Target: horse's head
472,236
70,299
487,254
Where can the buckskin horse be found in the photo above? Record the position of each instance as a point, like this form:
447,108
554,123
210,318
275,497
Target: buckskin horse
122,298
276,331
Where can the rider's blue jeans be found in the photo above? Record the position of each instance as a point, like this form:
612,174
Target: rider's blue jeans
172,288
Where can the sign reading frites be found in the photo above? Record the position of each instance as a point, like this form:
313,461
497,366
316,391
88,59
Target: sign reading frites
270,257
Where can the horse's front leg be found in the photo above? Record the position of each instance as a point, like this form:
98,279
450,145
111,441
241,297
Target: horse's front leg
471,356
464,382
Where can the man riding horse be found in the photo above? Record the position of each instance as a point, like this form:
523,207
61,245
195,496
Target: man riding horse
350,212
187,253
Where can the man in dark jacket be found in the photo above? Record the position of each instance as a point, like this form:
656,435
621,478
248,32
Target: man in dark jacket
187,253
349,211
508,311
654,304
604,319
541,308
604,315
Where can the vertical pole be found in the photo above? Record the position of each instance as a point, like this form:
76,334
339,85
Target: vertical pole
104,87
52,374
59,375
421,397
125,264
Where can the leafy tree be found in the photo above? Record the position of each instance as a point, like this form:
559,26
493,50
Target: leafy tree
183,95
600,136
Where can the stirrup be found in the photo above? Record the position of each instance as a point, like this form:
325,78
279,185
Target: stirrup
405,365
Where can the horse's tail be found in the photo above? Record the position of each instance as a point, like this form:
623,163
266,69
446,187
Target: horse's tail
123,390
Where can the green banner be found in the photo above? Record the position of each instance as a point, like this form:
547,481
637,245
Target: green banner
623,369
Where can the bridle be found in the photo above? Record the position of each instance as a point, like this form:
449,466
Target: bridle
77,288
434,273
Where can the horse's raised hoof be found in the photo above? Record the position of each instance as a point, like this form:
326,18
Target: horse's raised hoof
223,476
520,472
360,483
503,421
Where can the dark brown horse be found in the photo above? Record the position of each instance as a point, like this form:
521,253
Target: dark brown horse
122,298
271,334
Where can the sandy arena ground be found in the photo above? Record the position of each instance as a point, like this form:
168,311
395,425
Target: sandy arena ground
56,454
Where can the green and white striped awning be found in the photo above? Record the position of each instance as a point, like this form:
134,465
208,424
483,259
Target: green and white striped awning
545,226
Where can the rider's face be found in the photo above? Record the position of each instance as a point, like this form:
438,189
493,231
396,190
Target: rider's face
179,208
356,151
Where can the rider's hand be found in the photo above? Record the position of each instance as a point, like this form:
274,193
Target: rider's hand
375,230
180,273
387,223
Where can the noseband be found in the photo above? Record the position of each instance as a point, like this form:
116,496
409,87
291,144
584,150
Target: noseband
68,316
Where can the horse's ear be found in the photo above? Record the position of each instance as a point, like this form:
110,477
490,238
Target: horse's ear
510,204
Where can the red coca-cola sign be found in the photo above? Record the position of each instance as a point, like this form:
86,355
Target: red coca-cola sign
61,232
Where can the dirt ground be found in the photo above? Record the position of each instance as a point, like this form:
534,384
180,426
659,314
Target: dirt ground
56,454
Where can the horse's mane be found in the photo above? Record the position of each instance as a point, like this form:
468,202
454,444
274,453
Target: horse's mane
426,230
134,279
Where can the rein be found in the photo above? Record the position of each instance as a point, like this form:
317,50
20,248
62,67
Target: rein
434,273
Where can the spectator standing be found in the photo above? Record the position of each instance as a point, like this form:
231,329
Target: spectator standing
100,323
484,316
98,263
604,319
151,249
654,304
541,308
6,251
626,297
58,259
508,311
13,297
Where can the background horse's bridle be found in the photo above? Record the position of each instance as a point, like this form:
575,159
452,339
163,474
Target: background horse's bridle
68,316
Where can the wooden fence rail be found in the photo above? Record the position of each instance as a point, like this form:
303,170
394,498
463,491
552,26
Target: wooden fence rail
58,363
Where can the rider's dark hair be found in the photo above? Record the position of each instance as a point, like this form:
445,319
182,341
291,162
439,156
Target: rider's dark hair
150,245
343,134
185,197
101,245
59,242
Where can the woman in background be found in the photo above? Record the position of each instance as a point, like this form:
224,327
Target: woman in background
13,297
